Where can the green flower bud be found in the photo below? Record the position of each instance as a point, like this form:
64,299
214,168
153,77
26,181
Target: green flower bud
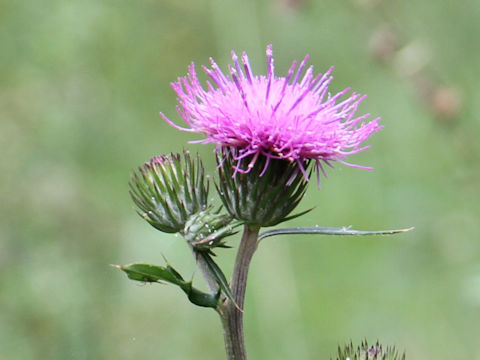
208,229
366,352
265,194
168,192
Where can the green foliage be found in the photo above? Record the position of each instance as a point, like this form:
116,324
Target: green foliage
217,274
158,274
322,230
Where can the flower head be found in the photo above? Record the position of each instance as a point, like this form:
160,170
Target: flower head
367,352
294,118
168,191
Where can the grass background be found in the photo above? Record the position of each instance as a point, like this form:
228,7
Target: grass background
81,85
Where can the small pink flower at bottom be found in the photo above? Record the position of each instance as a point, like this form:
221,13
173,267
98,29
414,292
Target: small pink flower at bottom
293,118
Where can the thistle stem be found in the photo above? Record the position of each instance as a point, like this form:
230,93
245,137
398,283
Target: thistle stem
202,265
232,316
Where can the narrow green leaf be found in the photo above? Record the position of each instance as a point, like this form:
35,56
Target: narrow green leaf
327,231
219,276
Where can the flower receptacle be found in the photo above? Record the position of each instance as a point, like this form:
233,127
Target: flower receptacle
264,195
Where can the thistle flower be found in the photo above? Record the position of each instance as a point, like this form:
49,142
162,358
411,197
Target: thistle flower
167,192
292,118
366,352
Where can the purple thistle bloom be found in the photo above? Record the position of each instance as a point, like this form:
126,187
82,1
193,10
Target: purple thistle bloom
293,118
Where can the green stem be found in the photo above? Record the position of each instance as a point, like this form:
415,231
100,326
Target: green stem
232,316
202,265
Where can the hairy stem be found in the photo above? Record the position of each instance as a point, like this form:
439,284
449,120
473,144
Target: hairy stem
232,316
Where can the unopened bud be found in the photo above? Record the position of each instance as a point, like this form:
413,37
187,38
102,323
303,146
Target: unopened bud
208,229
168,192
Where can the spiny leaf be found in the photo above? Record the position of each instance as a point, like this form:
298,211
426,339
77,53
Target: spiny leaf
327,231
149,273
158,274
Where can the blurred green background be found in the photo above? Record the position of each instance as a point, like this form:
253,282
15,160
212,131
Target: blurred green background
81,85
